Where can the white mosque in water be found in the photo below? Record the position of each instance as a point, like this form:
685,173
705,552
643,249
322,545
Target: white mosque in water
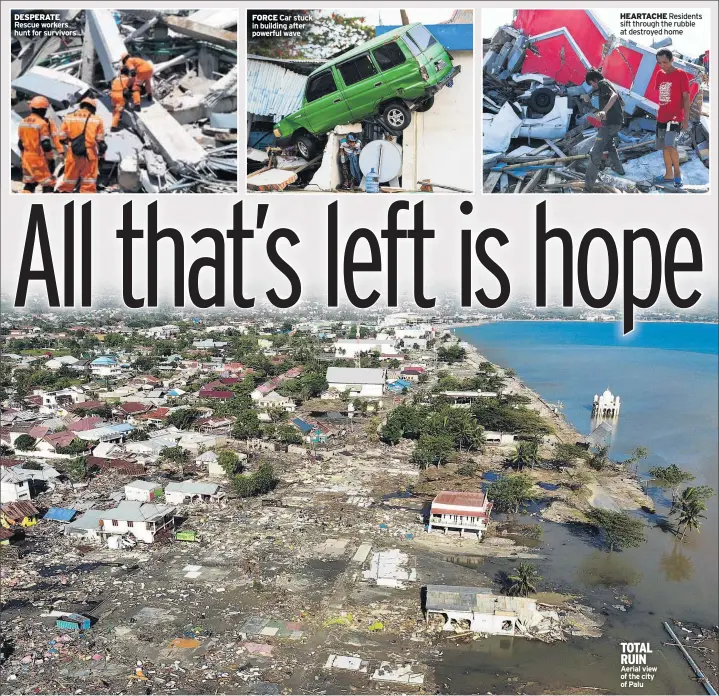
606,404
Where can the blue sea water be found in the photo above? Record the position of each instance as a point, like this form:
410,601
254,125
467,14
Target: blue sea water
667,376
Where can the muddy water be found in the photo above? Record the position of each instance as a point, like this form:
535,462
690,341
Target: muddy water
666,376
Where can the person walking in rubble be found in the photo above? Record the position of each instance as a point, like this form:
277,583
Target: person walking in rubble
672,86
83,134
611,114
38,142
120,92
141,73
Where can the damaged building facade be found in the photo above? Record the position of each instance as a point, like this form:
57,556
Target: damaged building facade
430,154
181,136
538,119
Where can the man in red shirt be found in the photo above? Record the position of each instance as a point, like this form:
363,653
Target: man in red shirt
673,115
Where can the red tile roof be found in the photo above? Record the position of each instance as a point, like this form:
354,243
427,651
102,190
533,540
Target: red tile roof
83,424
215,394
131,407
18,510
460,503
157,414
62,439
7,461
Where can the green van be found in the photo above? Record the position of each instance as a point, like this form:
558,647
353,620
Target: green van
391,76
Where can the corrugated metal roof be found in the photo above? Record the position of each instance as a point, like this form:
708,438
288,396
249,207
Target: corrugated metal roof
60,514
273,90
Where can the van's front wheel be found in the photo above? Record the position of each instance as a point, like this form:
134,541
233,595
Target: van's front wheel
397,116
307,147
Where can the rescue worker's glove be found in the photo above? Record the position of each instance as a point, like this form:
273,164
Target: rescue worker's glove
102,147
51,165
127,94
46,145
20,146
133,73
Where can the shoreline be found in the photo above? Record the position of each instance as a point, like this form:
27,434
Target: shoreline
609,489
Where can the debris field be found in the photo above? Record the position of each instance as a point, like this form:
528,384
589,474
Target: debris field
185,138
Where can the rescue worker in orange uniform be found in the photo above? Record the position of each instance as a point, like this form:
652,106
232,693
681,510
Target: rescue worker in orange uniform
120,92
39,143
83,169
141,74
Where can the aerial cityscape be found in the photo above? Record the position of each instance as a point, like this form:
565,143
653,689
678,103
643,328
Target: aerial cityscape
235,504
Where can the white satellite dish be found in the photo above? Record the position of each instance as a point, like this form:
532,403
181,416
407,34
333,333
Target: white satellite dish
384,157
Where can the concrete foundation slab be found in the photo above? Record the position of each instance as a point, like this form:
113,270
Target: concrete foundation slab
174,142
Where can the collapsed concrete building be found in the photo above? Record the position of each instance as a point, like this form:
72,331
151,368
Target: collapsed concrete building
537,127
183,141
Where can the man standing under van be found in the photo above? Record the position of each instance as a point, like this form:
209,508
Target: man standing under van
672,86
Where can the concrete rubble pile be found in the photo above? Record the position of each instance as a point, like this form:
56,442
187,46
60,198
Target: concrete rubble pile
538,123
183,141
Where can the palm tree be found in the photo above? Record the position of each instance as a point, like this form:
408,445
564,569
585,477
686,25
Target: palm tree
688,510
525,454
524,580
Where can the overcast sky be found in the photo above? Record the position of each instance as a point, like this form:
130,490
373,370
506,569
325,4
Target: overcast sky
693,42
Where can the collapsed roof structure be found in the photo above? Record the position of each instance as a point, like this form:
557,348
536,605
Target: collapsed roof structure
538,129
184,141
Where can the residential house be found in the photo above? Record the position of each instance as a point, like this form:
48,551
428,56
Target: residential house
214,424
61,361
312,432
130,410
359,381
192,492
216,394
412,374
107,433
120,466
141,520
155,417
465,511
14,485
142,491
352,347
21,513
275,400
49,444
485,612
209,344
492,437
105,366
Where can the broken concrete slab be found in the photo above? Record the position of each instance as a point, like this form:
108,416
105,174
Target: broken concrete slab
352,664
270,180
219,18
60,88
202,32
391,568
174,142
107,40
362,552
121,144
400,674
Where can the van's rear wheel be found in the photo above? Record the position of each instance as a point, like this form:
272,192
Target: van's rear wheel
397,116
307,147
426,105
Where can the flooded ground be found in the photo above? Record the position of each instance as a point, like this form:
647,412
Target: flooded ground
667,380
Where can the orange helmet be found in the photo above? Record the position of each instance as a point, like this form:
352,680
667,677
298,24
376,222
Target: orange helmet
90,101
39,103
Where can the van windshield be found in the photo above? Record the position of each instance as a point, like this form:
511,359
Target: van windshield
421,37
